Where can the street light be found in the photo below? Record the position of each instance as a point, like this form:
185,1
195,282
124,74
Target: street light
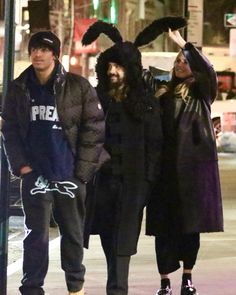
4,178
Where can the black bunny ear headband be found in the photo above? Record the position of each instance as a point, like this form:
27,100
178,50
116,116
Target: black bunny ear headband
149,34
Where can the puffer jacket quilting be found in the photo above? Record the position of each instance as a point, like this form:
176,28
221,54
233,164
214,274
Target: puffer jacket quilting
80,114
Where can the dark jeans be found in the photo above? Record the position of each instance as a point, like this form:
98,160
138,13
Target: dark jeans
117,268
69,211
170,249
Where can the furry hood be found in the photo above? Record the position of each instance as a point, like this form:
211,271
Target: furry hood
128,56
125,54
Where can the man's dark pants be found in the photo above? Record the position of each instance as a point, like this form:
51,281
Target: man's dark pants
69,214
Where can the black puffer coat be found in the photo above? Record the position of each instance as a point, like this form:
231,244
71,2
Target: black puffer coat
80,113
189,197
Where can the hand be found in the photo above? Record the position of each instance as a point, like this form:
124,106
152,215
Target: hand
177,38
25,170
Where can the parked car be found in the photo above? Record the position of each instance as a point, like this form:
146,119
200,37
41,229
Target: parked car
223,113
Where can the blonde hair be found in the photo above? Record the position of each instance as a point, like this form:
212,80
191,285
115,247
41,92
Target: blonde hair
182,91
178,87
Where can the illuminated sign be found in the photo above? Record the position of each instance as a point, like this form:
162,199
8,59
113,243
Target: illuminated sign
230,20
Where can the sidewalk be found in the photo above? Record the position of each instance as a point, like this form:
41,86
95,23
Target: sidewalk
214,273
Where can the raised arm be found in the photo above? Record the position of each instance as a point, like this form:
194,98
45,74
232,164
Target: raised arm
177,38
202,69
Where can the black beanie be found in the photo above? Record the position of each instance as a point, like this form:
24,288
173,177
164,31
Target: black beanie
45,38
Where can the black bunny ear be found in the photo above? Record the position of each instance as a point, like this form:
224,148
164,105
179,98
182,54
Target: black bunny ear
157,27
99,27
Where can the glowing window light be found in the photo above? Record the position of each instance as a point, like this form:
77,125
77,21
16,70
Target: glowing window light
95,4
113,12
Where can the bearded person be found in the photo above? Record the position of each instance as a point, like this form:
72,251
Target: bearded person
122,185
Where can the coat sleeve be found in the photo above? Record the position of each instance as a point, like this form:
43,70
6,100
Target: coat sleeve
203,71
11,134
91,134
153,142
150,82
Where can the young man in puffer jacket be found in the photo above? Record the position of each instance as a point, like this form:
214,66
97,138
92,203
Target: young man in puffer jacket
53,133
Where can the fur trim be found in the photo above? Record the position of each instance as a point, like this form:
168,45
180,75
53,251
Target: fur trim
99,27
157,27
127,55
124,54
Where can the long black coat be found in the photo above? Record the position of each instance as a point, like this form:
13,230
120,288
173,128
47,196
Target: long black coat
189,197
138,166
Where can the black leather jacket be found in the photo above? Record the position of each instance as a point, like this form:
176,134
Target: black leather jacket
193,153
195,133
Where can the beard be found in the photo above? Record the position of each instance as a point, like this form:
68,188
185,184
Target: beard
117,87
115,81
118,92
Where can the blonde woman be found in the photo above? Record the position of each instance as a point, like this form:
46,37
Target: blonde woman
187,201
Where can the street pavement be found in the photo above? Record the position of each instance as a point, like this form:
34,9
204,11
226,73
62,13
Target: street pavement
214,274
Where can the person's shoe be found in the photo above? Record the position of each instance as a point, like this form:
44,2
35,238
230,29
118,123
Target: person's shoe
164,291
188,290
81,292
